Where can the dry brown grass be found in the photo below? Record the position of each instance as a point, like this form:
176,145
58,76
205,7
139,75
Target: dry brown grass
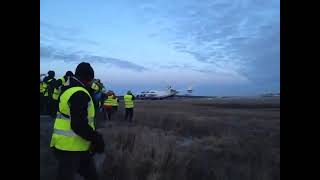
198,139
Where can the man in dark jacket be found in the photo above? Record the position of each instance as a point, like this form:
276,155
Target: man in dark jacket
48,90
57,87
75,144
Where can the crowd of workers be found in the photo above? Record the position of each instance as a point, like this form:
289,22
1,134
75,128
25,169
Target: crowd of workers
73,101
104,101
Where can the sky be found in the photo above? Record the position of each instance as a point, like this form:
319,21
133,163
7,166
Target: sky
218,47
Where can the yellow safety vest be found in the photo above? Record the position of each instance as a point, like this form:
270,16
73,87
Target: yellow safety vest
115,102
57,91
42,89
128,102
95,86
108,101
63,137
45,86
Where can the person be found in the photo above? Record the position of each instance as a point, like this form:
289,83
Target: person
95,92
108,99
129,105
115,103
57,90
47,94
74,139
42,89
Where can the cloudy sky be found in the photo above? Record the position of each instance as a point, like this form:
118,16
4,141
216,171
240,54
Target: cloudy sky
219,47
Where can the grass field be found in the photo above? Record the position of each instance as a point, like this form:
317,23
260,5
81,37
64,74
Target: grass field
216,139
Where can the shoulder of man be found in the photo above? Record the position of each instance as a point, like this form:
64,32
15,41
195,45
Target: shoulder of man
79,97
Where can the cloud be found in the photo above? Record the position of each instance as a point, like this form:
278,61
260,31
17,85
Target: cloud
51,27
60,34
240,35
50,53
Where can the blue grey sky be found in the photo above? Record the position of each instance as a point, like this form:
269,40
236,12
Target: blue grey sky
219,47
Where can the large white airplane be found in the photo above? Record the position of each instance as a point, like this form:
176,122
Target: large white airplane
156,94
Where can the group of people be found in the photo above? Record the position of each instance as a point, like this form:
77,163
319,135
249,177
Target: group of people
110,103
106,102
50,89
73,101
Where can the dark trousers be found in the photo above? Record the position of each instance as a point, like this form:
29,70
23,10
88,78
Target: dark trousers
41,104
45,105
115,109
128,114
108,113
54,107
70,163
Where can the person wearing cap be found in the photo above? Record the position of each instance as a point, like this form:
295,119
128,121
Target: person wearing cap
96,93
108,99
42,89
74,139
57,86
129,105
47,94
115,103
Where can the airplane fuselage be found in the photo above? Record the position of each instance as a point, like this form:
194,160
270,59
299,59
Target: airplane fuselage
156,94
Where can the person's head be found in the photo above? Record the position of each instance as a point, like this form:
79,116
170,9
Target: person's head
129,92
69,74
85,73
109,93
51,74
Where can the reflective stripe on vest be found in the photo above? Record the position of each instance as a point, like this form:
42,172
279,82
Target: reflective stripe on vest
63,137
57,91
108,101
128,102
60,116
64,133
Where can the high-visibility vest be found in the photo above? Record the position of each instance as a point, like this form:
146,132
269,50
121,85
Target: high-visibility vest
95,86
57,91
63,137
115,102
128,102
42,89
46,86
108,101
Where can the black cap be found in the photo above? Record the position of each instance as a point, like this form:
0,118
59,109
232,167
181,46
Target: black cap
84,72
69,73
51,73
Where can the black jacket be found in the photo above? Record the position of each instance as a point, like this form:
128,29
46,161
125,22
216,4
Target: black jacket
58,83
50,84
78,112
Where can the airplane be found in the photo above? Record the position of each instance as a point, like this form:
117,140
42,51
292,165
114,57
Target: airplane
271,95
156,94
